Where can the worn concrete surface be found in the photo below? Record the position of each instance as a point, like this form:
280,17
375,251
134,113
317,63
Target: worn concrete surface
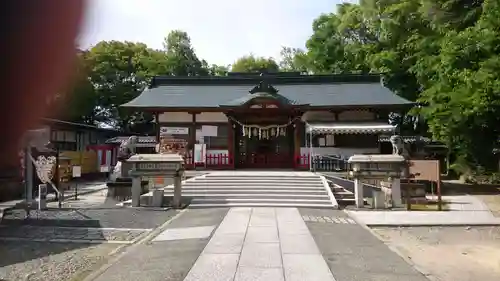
165,260
354,254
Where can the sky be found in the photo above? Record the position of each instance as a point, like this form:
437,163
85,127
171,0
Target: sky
221,30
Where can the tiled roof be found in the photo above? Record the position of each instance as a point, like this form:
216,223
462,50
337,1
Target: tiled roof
350,128
315,90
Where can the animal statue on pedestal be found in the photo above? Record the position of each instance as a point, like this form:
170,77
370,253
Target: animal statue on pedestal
397,144
125,151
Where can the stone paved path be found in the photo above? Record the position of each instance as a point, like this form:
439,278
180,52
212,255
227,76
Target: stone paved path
166,259
261,244
271,244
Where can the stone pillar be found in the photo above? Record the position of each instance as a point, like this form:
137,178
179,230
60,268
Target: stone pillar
396,192
358,193
136,191
176,202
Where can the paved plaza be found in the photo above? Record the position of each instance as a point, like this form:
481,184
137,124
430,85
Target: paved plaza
260,244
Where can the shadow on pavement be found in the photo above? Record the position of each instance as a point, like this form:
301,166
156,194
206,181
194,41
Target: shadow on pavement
452,188
34,240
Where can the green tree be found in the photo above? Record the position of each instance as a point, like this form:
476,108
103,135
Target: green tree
293,59
120,71
181,57
252,63
78,102
215,70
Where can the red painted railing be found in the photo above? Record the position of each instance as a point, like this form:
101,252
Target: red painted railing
302,161
212,161
266,161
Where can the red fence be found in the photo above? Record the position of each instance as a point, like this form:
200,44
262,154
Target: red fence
225,161
212,161
302,161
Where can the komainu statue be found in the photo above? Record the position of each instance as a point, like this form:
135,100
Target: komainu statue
125,151
127,148
397,144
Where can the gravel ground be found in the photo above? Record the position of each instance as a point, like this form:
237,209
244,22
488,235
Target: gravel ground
50,261
73,233
449,253
93,217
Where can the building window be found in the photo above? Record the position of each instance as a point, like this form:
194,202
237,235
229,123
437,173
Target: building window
220,141
65,146
323,140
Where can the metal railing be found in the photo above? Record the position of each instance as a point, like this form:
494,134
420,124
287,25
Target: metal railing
329,163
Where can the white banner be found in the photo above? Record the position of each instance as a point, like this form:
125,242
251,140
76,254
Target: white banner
174,131
199,153
209,131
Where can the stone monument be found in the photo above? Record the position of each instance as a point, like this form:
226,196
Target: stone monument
150,165
380,166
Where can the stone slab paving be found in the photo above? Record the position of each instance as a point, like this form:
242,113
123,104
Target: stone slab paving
196,232
354,254
165,260
261,244
327,219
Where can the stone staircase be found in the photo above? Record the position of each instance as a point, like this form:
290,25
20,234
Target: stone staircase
343,190
257,189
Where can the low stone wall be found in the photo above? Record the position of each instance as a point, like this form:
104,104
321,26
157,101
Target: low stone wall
122,190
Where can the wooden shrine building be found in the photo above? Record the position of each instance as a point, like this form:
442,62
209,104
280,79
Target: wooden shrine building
247,120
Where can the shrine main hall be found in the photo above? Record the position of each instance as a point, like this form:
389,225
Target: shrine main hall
252,120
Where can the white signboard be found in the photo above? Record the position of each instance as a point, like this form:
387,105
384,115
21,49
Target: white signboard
199,136
174,131
77,171
209,131
104,169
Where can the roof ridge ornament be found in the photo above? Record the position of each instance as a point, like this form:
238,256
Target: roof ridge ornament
264,87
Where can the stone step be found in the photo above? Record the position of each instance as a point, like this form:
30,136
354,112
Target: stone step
343,194
337,189
261,178
253,196
263,174
349,201
259,201
253,204
247,190
251,183
246,187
